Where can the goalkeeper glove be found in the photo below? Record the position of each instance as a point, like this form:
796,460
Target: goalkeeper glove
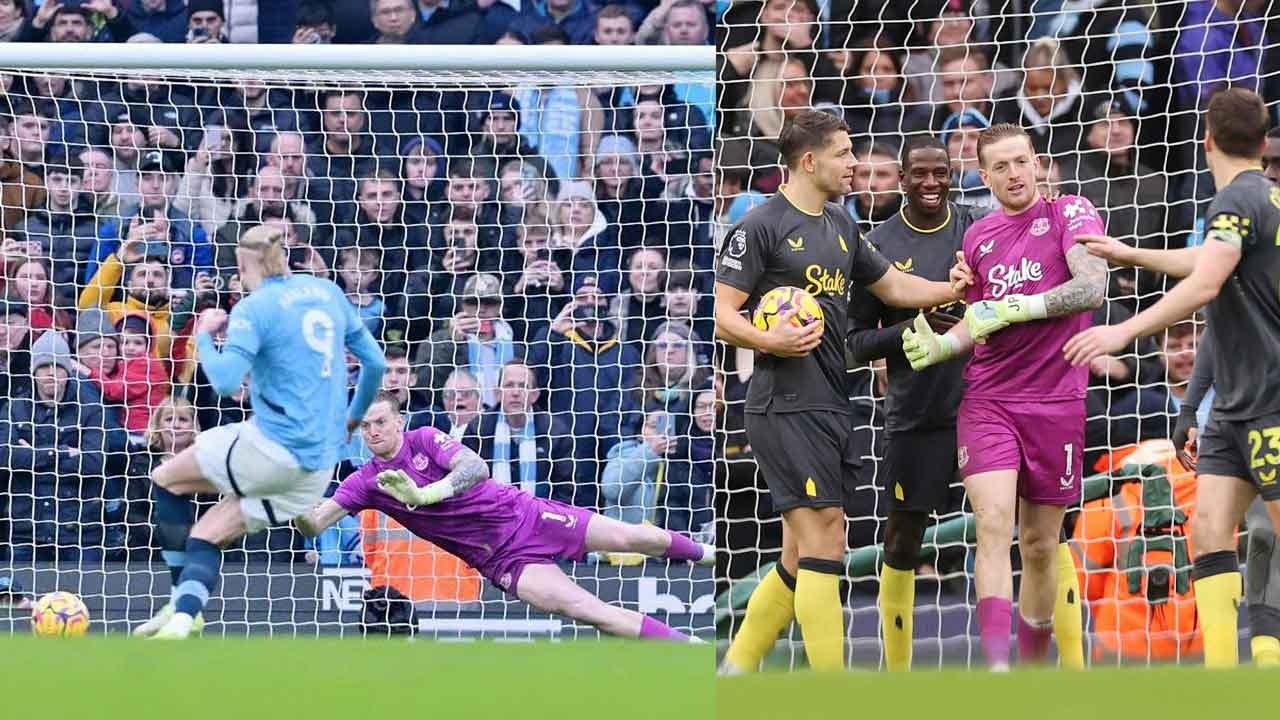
988,317
923,347
400,486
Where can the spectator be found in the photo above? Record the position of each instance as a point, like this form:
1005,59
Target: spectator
15,349
63,102
778,91
733,198
684,302
523,185
1050,103
524,446
54,468
21,190
462,22
1271,156
165,19
534,280
315,23
287,154
455,264
633,471
125,141
614,26
590,374
960,135
267,198
172,428
28,284
1125,192
672,372
1219,43
211,187
469,193
64,228
393,20
399,379
12,16
675,22
64,22
97,352
460,400
754,75
140,382
359,272
423,172
949,26
380,224
30,138
581,228
875,196
687,505
619,188
575,18
147,289
339,154
206,21
877,99
497,122
563,124
967,84
476,339
640,308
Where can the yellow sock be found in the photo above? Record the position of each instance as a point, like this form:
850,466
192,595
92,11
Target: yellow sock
769,611
1217,603
820,613
897,599
1266,651
1068,624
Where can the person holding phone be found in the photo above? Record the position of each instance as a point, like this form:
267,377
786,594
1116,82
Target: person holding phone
205,21
476,339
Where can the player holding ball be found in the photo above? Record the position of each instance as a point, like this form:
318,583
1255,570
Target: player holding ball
797,403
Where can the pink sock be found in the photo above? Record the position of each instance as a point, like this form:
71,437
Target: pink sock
1033,641
682,548
995,616
651,629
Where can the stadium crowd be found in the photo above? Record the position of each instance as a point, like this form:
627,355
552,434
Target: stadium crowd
1112,93
536,260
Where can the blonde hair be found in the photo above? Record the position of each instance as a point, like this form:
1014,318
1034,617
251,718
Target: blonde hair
1047,54
171,404
268,242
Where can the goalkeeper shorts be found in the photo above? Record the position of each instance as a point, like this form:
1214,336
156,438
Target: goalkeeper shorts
808,459
1246,449
1042,441
239,460
919,471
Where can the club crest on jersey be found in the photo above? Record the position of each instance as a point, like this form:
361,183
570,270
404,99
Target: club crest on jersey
420,462
1040,226
738,244
962,456
797,244
1005,278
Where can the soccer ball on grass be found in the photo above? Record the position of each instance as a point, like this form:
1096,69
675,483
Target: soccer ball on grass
59,614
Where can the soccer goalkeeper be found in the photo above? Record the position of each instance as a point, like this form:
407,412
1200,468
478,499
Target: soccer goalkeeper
1020,427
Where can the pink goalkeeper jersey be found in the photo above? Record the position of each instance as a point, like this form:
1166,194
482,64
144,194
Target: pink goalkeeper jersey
1025,254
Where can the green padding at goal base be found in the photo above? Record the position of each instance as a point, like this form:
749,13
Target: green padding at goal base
863,561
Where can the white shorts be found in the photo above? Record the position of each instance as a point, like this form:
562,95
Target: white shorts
239,460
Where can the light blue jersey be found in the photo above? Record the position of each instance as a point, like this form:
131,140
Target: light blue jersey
291,334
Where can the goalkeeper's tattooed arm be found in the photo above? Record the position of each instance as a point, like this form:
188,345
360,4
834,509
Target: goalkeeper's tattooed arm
466,469
1087,288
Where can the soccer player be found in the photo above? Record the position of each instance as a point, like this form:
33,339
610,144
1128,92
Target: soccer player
797,402
1020,426
441,491
290,335
1235,273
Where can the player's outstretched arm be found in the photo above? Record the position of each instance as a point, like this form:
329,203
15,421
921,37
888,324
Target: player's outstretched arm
784,339
226,368
466,469
1175,263
904,290
1216,261
372,366
321,516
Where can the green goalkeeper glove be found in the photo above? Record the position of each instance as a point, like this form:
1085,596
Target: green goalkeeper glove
923,347
400,486
988,317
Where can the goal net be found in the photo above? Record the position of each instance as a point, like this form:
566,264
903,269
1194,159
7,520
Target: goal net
1112,94
532,249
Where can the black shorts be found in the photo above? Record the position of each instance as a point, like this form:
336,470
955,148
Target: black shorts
808,458
919,472
1247,449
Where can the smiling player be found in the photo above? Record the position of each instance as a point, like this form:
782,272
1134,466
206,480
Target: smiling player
1021,422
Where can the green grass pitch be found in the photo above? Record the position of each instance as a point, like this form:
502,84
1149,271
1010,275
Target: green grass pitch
352,679
1165,693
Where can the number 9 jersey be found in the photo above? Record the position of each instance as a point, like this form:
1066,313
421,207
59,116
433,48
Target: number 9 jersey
294,332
